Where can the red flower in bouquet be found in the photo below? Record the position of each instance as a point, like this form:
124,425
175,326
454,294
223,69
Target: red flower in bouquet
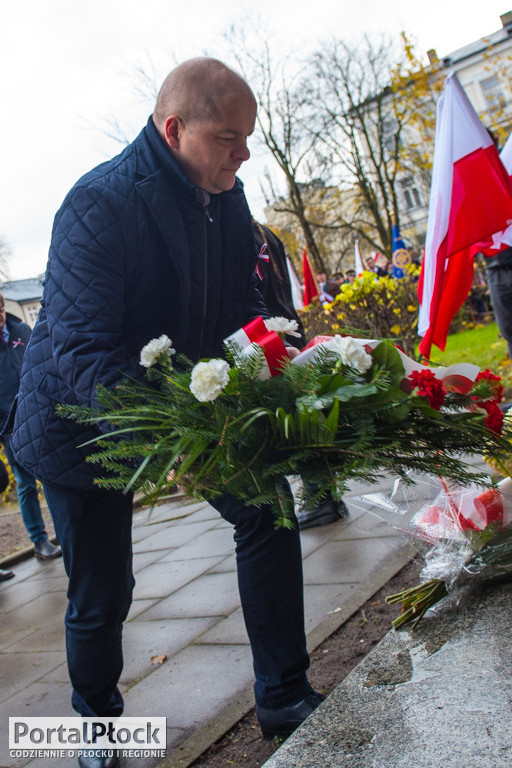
494,383
494,419
488,399
430,387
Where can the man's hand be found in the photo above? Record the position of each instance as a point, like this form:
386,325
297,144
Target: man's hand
292,352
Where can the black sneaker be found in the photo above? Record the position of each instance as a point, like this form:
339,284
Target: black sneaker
285,720
328,511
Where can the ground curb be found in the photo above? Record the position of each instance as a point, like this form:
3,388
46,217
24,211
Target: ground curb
21,554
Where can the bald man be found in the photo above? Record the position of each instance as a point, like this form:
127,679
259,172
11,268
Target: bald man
156,241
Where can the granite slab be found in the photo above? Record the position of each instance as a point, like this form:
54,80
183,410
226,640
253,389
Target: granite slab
438,697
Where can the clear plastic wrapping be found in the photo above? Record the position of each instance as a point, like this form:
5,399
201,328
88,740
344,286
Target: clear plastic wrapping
468,537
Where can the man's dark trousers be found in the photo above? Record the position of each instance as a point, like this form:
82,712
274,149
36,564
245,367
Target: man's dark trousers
95,535
270,582
94,532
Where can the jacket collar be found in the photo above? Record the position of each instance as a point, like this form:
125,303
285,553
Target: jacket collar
166,162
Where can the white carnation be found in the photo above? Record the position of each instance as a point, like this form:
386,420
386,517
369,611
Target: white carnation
282,325
351,353
155,347
209,379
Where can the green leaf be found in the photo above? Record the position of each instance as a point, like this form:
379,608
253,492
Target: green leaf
399,405
343,394
333,417
253,415
386,356
331,382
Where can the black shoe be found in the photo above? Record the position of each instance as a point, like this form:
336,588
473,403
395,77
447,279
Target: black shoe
6,575
328,511
285,720
97,761
45,550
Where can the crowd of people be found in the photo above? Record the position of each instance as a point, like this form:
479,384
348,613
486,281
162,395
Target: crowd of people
378,264
489,281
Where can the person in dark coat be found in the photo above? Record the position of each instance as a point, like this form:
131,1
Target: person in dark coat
498,272
274,280
156,241
14,336
275,287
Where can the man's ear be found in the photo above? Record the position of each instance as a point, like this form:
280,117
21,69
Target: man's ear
172,131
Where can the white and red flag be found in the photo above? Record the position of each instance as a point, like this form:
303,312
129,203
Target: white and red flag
310,284
358,260
503,239
506,155
295,286
470,199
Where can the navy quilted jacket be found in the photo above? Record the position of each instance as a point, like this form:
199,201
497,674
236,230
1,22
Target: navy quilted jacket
137,251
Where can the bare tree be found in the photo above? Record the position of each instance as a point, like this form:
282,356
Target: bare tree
345,126
282,111
359,124
373,108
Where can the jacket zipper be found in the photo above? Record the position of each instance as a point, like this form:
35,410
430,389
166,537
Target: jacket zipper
206,218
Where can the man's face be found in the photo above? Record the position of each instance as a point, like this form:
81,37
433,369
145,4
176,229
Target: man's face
2,318
211,151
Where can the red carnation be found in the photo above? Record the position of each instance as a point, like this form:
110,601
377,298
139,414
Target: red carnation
494,383
494,420
429,386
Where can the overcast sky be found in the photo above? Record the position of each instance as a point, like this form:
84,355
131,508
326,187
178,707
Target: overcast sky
68,66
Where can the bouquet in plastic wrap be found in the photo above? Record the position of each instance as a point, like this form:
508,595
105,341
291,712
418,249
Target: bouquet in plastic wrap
469,531
344,408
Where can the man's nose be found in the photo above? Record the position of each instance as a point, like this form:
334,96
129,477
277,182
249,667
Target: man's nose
242,152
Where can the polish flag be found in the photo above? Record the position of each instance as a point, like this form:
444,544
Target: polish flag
295,287
500,240
310,286
358,260
470,199
506,155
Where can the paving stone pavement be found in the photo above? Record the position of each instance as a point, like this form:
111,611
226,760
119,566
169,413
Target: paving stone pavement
186,608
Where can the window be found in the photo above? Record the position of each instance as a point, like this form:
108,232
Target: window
32,311
412,197
389,131
491,88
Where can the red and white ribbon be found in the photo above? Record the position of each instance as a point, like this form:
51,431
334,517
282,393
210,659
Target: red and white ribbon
254,335
264,257
458,378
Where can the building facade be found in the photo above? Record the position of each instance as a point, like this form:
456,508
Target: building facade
23,298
